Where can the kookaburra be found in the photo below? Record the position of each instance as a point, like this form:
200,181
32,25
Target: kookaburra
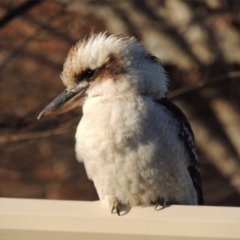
137,146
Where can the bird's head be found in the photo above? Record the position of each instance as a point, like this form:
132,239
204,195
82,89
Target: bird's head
107,66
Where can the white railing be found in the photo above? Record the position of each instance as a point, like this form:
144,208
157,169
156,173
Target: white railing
24,219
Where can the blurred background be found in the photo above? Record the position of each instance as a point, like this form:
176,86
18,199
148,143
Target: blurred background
198,43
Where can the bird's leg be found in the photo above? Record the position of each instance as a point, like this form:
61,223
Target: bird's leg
162,203
116,206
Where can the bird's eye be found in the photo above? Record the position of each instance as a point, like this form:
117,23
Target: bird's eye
89,74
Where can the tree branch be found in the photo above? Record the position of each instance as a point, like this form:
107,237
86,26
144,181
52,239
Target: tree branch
18,11
203,83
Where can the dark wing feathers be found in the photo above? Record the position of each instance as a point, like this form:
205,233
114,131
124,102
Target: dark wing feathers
186,135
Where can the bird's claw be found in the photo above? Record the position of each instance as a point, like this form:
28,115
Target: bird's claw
160,203
116,206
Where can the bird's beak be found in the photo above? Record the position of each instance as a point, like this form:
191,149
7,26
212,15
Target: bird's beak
65,101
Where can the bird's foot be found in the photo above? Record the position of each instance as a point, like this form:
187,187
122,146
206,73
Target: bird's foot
116,206
160,203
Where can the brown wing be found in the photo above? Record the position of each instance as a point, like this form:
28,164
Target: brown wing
186,135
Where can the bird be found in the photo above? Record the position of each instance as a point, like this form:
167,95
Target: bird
136,145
